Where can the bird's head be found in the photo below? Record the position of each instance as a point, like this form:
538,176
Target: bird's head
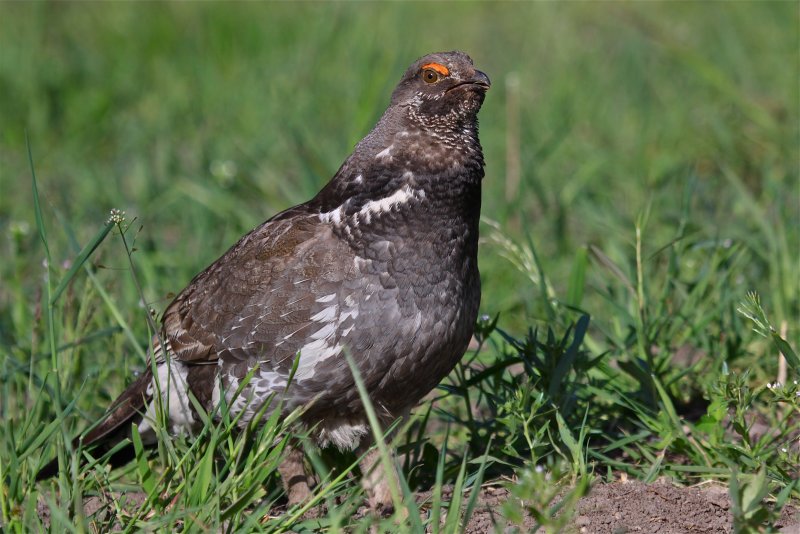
430,129
441,88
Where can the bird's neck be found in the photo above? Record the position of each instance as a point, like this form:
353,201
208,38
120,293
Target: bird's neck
442,161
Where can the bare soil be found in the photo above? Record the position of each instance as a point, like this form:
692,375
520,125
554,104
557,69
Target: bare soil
628,507
617,508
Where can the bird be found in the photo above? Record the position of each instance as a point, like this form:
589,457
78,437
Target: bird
381,265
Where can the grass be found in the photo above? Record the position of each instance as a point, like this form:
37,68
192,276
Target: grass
642,179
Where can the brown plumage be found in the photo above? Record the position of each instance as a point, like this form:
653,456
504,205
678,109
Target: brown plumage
382,263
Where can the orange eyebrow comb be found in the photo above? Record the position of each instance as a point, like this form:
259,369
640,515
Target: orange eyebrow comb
441,69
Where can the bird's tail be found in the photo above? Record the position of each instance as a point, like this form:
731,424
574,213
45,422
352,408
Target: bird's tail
114,427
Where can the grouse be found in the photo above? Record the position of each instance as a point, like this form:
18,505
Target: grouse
380,264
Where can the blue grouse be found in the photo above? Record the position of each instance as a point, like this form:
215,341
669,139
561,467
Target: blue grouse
381,263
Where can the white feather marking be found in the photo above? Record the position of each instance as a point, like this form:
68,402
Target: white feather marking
324,332
401,196
326,298
344,436
417,321
352,312
215,393
313,353
174,401
239,402
360,263
326,315
295,301
333,216
296,331
266,382
386,153
250,401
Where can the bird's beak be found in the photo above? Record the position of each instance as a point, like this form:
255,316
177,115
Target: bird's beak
480,78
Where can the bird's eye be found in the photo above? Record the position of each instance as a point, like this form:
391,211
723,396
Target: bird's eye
430,76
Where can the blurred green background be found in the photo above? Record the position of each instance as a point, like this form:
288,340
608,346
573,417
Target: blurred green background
200,120
642,167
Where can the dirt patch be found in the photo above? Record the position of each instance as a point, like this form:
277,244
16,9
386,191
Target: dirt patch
621,507
628,507
657,508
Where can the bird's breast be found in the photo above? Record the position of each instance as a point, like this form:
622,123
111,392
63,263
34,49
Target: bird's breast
397,291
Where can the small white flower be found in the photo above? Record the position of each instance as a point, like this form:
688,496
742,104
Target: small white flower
116,217
784,450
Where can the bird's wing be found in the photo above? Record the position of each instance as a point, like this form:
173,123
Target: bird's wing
260,301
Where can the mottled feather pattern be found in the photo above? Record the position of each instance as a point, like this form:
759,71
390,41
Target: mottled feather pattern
381,263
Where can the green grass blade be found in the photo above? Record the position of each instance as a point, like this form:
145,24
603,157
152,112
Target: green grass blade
573,446
80,259
37,207
145,473
436,500
568,358
476,486
788,352
453,520
36,441
577,278
785,494
386,457
202,482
